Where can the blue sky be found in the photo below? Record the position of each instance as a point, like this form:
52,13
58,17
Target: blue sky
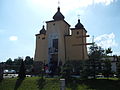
20,20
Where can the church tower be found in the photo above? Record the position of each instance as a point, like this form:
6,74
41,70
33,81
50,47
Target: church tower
56,44
76,43
56,31
40,52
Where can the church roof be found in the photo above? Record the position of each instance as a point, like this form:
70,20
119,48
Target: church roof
43,31
79,25
54,20
58,15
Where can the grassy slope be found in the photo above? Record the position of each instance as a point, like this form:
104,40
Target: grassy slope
34,83
27,84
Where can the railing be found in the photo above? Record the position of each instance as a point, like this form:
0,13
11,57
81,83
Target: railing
53,50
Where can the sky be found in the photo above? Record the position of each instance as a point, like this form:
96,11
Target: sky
20,20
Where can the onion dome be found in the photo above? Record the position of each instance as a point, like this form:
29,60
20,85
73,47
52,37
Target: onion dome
58,15
79,25
43,31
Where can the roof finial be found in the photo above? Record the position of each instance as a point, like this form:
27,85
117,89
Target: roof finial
58,3
43,23
78,16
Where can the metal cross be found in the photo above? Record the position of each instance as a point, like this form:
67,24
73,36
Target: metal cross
58,3
78,16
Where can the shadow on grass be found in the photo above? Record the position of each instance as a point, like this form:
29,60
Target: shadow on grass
18,83
101,84
72,83
1,80
41,83
91,84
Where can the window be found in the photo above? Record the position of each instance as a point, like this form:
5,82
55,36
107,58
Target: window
77,32
43,38
55,43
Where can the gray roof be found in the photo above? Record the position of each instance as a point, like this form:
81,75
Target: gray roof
58,15
43,31
79,25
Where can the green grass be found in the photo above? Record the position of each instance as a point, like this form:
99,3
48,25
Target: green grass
27,84
36,83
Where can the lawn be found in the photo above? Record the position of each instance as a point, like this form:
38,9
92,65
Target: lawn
36,83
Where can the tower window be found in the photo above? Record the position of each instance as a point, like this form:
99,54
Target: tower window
77,32
54,24
55,43
43,38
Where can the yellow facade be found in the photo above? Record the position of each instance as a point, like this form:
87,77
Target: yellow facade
76,45
57,44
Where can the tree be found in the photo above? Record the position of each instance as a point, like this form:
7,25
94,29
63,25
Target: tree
9,61
28,60
1,71
67,71
22,70
95,55
18,60
109,50
73,67
107,67
86,70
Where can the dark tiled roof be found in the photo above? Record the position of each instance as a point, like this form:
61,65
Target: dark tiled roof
43,31
58,15
59,20
79,25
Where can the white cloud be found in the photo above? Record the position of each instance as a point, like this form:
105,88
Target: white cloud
106,40
13,38
76,6
106,2
66,4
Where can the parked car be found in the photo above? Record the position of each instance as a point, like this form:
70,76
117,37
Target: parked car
9,71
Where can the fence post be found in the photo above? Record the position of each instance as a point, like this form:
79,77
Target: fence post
62,84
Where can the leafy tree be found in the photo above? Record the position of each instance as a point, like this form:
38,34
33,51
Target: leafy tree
67,70
77,66
72,67
96,52
109,50
18,60
107,67
86,70
28,60
22,70
9,61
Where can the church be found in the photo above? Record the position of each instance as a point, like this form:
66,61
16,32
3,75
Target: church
60,43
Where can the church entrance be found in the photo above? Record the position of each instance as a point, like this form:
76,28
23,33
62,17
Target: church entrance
55,59
54,55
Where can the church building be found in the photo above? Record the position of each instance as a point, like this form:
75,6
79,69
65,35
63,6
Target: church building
59,43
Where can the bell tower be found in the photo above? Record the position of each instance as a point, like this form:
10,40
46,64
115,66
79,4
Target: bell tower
56,30
76,46
40,51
